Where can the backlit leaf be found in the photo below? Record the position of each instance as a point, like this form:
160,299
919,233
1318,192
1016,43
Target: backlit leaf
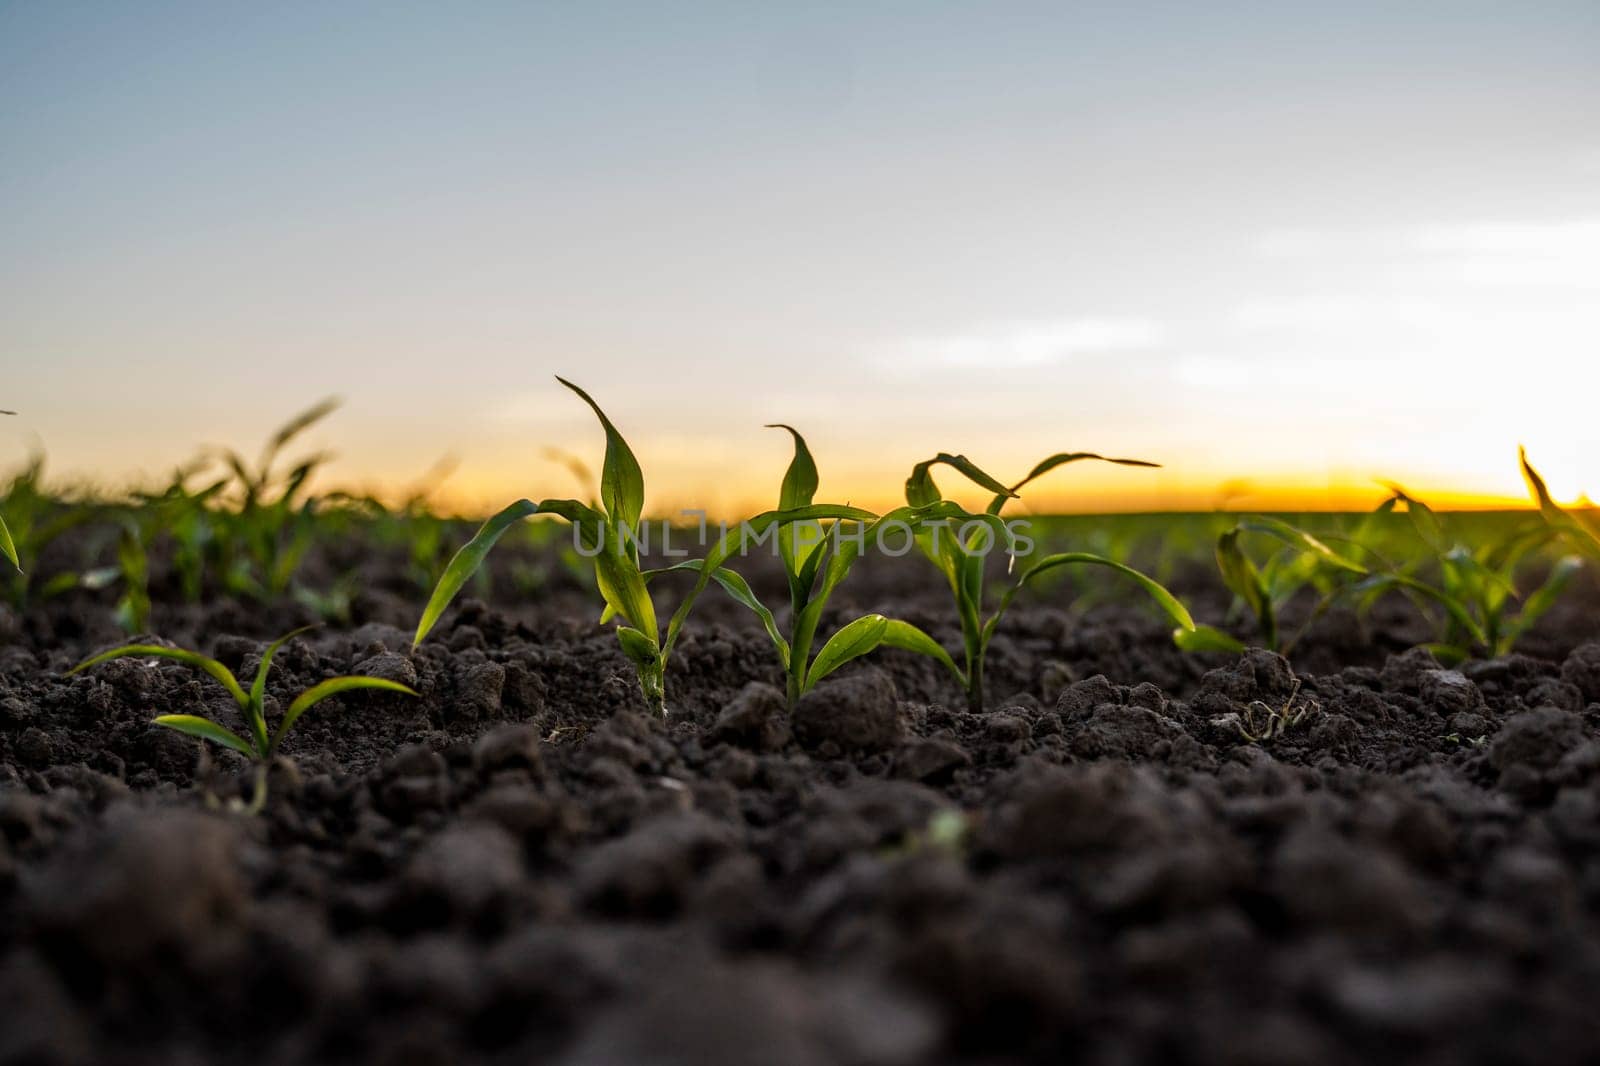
465,563
851,642
323,690
1047,465
207,730
621,479
188,658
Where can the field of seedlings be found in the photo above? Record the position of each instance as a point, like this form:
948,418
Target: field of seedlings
291,776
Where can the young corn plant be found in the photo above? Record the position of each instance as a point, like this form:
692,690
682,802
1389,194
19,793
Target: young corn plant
1583,536
959,546
608,533
262,542
1478,585
1299,561
258,744
181,523
815,561
37,520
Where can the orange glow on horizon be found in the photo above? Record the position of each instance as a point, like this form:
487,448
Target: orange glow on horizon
475,498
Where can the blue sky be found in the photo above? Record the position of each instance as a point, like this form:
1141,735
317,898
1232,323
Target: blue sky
1295,245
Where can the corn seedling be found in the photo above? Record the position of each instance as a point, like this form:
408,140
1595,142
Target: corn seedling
609,535
1476,586
1583,536
263,541
1300,560
960,547
815,561
37,520
181,519
258,744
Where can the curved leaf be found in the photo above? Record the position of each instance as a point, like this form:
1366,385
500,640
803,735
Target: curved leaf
1168,603
465,563
331,687
1247,582
851,642
800,480
1541,599
1205,638
1585,539
8,547
907,637
921,491
740,591
737,538
188,658
207,730
1059,459
1423,518
258,689
1299,538
621,479
1452,606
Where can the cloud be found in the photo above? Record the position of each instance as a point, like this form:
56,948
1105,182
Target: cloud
1502,253
1026,345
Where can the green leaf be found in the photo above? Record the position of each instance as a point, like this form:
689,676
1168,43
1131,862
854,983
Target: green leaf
258,689
8,547
851,642
1205,638
623,587
735,540
1543,598
188,658
1447,654
1047,465
799,488
331,687
1168,603
739,590
1423,518
800,480
621,479
1299,538
1240,575
638,647
1583,538
465,563
921,490
207,730
907,637
1242,578
1452,605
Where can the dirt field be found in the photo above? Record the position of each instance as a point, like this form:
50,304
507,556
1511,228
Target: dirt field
527,865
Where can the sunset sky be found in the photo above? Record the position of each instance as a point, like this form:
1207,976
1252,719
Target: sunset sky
1281,248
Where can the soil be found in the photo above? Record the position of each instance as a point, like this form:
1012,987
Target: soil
527,865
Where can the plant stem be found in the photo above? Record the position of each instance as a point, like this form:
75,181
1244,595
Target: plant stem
975,683
258,797
653,685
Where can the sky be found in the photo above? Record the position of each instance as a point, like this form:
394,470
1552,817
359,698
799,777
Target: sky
1283,249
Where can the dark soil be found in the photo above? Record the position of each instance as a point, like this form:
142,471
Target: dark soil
525,865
